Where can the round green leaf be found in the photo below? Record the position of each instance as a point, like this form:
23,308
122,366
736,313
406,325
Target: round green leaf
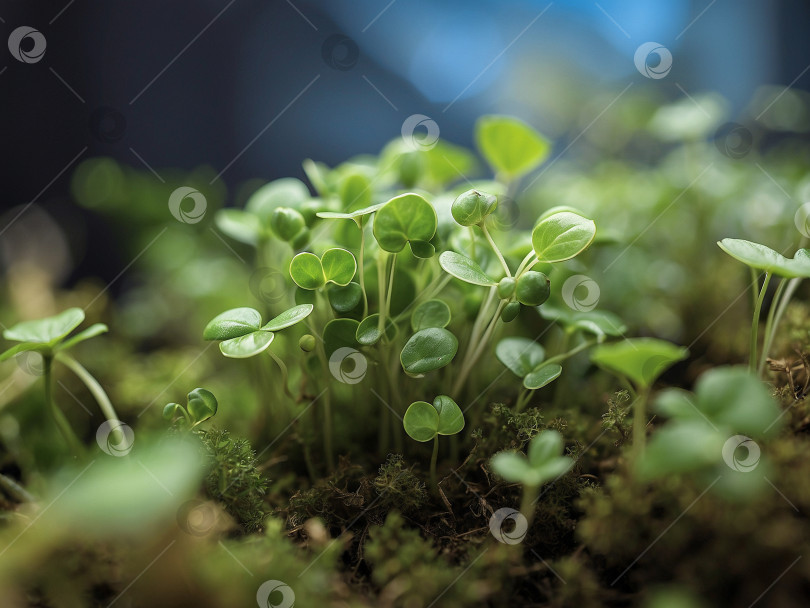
338,266
368,332
232,324
170,410
239,225
285,192
201,405
339,333
46,331
520,355
306,271
355,191
545,374
289,317
421,421
641,360
511,466
451,418
344,298
287,223
562,236
427,350
471,207
509,145
433,313
407,217
465,269
764,258
248,345
533,288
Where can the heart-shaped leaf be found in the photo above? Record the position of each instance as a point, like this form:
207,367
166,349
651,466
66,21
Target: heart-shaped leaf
641,360
368,332
562,236
764,258
248,345
510,146
233,324
338,266
306,271
427,350
404,218
289,317
432,313
201,405
451,418
465,269
46,331
545,374
422,249
520,355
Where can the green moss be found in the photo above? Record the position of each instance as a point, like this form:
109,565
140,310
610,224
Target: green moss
233,478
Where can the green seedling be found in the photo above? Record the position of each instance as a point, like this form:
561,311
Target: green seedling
200,406
241,333
542,463
526,359
638,362
728,402
424,421
790,270
49,338
511,147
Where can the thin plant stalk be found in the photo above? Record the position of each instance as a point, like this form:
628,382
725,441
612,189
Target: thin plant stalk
640,423
527,503
752,362
361,269
433,460
284,374
59,418
99,394
496,250
780,308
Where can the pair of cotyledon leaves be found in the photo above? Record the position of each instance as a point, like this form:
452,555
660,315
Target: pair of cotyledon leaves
50,335
241,331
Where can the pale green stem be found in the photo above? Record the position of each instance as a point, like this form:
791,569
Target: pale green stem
495,249
433,460
752,361
640,423
91,383
767,337
382,262
527,503
361,270
529,259
793,284
59,418
284,374
479,349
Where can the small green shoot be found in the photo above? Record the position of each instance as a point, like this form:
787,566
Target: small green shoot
543,463
424,421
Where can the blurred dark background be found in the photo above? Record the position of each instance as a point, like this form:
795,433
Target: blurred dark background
251,88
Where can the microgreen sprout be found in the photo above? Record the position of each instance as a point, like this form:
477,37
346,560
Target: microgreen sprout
542,463
49,338
200,406
424,421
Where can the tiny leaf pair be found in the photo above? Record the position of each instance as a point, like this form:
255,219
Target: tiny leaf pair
242,334
641,360
524,358
200,406
334,266
48,336
542,464
424,421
